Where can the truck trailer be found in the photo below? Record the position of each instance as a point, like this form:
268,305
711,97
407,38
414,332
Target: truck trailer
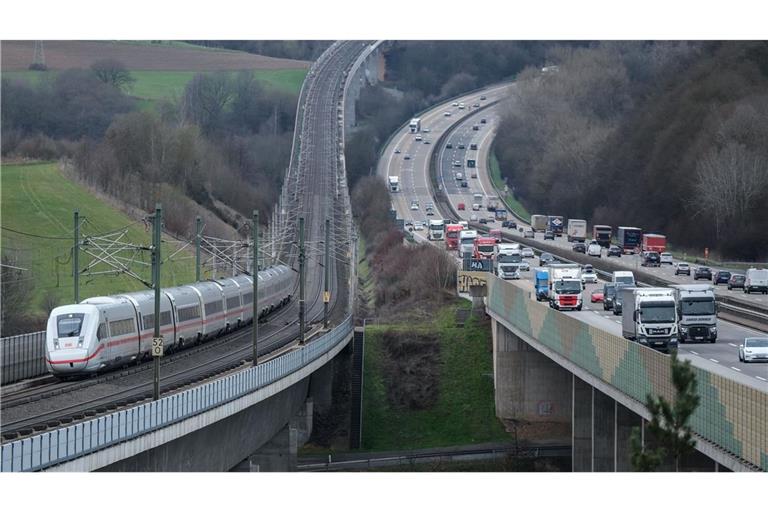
654,243
542,283
649,317
452,236
629,239
602,234
394,183
555,224
539,223
577,230
565,286
696,312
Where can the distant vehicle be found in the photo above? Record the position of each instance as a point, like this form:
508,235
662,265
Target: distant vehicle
649,317
475,127
476,105
630,239
467,242
753,349
549,235
483,121
415,125
609,296
473,146
696,310
473,217
756,280
565,286
461,106
418,138
495,234
528,233
425,130
545,259
541,284
682,268
471,162
455,104
493,203
483,220
555,224
702,273
656,243
602,233
617,302
576,230
464,224
429,211
397,151
484,247
596,296
436,229
459,176
407,157
452,236
624,277
588,274
491,219
418,225
482,97
579,247
394,183
414,205
449,146
457,163
666,257
464,184
460,206
736,281
461,146
539,223
509,224
500,214
527,252
447,114
721,276
474,174
614,250
594,249
651,259
508,271
426,141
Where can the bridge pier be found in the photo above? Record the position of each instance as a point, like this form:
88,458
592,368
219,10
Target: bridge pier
321,388
582,432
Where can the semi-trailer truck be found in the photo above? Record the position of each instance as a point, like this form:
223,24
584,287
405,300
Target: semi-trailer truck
602,233
415,125
394,183
501,214
577,230
484,248
696,312
452,236
542,284
629,239
555,224
467,242
649,317
493,203
539,223
436,229
565,286
655,243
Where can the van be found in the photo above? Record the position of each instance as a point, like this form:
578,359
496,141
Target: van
756,281
624,277
473,146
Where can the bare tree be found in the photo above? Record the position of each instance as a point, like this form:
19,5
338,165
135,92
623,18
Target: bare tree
113,72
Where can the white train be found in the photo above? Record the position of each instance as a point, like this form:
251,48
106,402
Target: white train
101,332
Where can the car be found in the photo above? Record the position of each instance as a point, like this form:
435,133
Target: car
455,104
426,141
461,106
482,98
702,273
617,305
461,206
457,163
462,146
682,268
475,207
524,266
527,252
418,138
736,281
579,247
473,146
509,224
483,121
473,217
650,259
609,295
397,151
491,219
447,114
464,184
528,233
483,220
407,157
449,146
594,249
666,257
418,225
596,296
476,105
549,235
721,276
546,259
414,205
475,127
459,176
754,349
425,130
588,274
614,250
474,174
430,211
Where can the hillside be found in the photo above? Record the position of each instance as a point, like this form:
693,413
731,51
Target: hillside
38,200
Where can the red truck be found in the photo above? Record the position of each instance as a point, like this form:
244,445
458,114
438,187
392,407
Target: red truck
656,243
484,247
495,234
452,236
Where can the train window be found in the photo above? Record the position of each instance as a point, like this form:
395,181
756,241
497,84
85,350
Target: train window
213,307
165,318
233,302
189,313
69,324
101,332
149,321
248,298
120,327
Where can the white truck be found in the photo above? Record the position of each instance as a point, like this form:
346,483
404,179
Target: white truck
649,316
696,312
577,230
394,183
467,242
565,286
415,125
539,223
756,280
477,199
493,203
436,229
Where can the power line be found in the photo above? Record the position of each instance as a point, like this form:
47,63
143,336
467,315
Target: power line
33,235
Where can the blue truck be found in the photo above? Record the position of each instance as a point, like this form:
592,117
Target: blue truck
542,284
555,224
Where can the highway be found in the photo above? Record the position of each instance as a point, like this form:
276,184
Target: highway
720,358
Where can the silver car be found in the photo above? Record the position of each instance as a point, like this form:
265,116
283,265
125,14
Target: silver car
527,252
754,349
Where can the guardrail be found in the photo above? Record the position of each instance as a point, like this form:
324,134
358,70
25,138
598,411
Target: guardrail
730,415
23,357
67,443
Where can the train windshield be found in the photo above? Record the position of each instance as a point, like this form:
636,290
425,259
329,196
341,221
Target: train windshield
70,324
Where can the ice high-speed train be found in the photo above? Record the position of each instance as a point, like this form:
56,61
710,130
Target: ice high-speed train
111,331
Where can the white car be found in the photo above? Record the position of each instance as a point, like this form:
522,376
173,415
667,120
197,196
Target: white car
594,249
414,205
523,266
754,349
508,271
666,257
527,252
455,104
588,274
425,130
418,225
473,217
419,138
475,207
447,114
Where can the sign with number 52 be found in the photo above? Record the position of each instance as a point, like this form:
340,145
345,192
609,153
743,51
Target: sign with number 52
157,347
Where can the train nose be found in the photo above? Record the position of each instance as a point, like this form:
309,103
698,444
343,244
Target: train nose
68,360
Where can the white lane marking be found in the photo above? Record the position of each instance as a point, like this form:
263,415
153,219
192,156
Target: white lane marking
692,352
758,377
617,321
714,360
733,345
734,368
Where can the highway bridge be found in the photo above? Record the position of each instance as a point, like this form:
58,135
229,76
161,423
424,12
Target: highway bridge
217,410
549,364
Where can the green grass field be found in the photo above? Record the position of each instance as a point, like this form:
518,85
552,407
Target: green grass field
498,182
465,410
37,199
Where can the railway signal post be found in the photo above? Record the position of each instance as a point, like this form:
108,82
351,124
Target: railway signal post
326,292
255,275
157,340
198,231
76,258
301,280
